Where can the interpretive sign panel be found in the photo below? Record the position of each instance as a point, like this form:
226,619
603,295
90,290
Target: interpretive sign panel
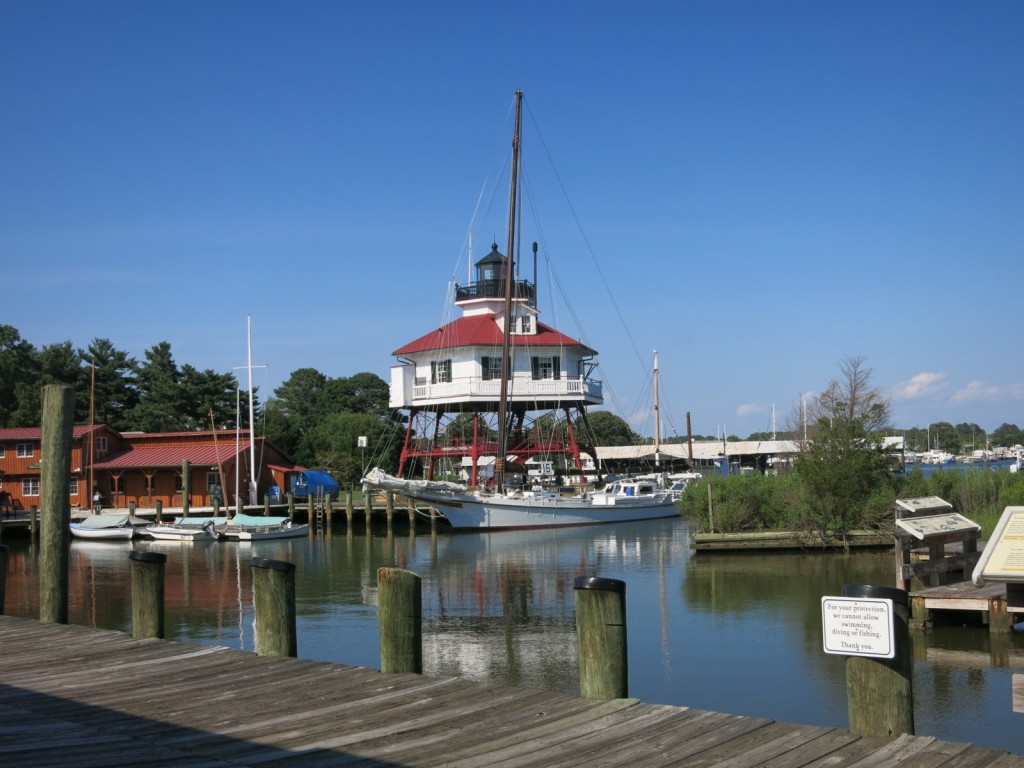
923,527
858,626
1003,556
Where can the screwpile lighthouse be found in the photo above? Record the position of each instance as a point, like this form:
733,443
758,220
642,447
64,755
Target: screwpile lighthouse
450,381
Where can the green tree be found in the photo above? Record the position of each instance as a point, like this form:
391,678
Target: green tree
160,407
334,444
114,393
359,393
1007,436
19,379
610,429
844,468
203,392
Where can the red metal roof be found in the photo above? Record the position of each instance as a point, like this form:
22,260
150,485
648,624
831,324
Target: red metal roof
36,433
169,456
483,330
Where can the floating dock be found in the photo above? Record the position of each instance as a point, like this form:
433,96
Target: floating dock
79,696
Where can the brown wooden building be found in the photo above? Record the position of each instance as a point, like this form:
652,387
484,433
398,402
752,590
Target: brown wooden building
141,467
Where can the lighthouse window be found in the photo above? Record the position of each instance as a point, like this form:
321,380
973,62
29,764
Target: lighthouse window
440,371
545,367
490,368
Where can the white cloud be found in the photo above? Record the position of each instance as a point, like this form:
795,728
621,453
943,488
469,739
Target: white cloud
922,385
749,409
992,393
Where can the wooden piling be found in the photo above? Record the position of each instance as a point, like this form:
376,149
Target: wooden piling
328,511
33,522
159,510
389,508
186,488
147,574
880,692
266,505
291,505
311,514
273,585
348,509
400,616
4,559
54,533
601,637
368,506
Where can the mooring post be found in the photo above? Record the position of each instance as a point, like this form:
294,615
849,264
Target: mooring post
147,570
601,637
311,514
328,511
400,615
33,522
348,508
389,506
368,506
159,510
879,691
4,558
291,505
54,533
273,586
186,488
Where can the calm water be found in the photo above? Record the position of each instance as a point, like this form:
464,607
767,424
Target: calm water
733,633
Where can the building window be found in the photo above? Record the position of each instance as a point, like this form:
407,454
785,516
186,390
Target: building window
178,485
545,367
30,486
490,367
3,450
440,371
24,450
73,487
101,445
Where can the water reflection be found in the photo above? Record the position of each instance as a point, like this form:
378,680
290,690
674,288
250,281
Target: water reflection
737,633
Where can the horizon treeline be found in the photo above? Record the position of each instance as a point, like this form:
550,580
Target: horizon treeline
314,419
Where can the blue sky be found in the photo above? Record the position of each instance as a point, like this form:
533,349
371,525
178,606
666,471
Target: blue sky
755,189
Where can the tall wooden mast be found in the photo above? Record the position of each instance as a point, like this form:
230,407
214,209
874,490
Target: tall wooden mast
506,344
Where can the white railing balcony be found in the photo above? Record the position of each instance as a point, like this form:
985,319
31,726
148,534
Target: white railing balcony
520,388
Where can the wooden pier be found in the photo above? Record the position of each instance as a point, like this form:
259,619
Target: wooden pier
78,696
989,603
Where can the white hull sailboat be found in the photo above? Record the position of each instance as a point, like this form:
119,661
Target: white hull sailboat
554,376
620,502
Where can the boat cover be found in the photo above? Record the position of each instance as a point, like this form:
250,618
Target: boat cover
257,520
104,521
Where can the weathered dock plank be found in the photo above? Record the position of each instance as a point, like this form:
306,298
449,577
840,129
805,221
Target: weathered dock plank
78,696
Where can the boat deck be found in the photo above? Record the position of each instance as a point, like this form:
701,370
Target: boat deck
73,695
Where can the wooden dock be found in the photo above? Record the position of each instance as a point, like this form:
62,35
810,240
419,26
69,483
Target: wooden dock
989,602
76,696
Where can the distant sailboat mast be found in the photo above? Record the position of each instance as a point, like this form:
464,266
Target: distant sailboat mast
252,425
657,416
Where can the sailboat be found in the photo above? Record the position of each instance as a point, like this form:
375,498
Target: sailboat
503,503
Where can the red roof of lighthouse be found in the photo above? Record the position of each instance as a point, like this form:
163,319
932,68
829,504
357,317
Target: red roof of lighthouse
483,331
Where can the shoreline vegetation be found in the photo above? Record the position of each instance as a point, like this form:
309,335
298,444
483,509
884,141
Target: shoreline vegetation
785,503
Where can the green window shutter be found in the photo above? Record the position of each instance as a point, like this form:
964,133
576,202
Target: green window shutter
433,372
535,367
485,366
556,367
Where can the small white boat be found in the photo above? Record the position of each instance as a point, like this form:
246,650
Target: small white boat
187,529
104,527
243,527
